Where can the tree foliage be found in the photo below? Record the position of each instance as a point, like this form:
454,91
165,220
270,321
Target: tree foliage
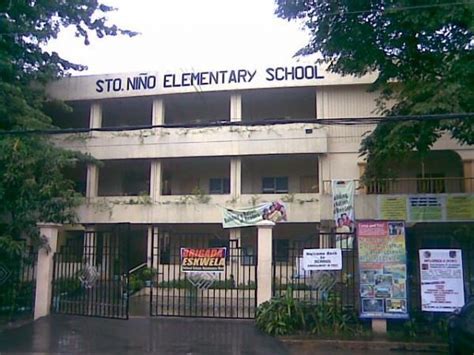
32,183
422,52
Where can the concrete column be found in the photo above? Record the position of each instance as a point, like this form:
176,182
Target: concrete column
468,166
236,107
44,272
155,179
92,188
264,271
362,167
158,112
152,247
235,177
379,327
236,256
90,246
95,118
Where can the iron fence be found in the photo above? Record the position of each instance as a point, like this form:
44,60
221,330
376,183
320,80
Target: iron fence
339,287
17,286
229,293
90,275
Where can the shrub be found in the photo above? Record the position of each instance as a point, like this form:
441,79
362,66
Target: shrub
286,315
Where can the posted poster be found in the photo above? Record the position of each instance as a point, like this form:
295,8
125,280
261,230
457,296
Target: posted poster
203,259
322,259
382,268
343,205
393,207
442,285
425,208
250,216
459,208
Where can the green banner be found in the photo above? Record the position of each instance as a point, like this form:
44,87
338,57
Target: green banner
250,216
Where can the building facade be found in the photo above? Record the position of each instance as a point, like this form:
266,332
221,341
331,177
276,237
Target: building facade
176,147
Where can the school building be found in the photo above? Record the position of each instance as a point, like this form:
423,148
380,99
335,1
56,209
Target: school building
176,148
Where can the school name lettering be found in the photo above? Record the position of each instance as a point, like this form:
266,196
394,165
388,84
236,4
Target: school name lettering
205,78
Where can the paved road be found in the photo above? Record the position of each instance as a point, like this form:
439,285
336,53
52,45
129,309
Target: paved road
71,335
190,336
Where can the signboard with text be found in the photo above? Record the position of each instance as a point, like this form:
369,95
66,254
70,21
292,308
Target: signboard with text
382,269
245,217
441,276
203,259
322,259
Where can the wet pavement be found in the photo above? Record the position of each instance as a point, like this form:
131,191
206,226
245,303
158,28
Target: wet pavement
72,335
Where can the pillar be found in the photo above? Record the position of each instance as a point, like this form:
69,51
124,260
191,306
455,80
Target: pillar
362,166
44,272
236,108
158,112
235,177
468,166
152,247
95,118
237,255
155,179
92,188
264,270
379,327
90,246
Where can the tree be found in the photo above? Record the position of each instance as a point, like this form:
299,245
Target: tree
33,186
422,52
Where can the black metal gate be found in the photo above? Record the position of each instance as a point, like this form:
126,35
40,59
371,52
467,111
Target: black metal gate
230,293
17,285
90,275
339,287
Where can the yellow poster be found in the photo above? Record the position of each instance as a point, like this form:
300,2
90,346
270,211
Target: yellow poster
393,207
460,208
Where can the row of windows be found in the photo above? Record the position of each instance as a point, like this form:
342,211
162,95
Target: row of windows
270,185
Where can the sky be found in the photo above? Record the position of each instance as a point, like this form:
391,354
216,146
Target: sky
179,34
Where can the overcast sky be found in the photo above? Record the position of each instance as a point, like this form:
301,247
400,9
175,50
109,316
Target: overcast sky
187,33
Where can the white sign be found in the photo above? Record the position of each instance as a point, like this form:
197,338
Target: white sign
322,259
442,286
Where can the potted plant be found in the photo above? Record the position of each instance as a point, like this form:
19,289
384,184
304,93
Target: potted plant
147,276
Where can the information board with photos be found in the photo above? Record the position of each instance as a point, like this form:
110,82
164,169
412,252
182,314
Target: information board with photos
382,268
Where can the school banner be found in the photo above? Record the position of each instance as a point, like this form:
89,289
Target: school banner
343,205
382,269
250,216
203,259
442,285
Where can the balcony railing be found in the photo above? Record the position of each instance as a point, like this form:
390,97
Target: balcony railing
410,186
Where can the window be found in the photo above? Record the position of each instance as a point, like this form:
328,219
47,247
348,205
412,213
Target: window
431,184
282,252
219,186
275,185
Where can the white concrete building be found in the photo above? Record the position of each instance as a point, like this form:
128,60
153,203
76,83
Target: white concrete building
234,138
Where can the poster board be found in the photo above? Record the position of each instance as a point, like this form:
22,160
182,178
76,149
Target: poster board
382,269
441,280
203,259
322,259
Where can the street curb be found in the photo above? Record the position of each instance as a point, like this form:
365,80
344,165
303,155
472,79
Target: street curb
302,345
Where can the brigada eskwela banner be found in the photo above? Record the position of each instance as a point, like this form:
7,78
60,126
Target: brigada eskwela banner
382,268
250,216
203,259
343,205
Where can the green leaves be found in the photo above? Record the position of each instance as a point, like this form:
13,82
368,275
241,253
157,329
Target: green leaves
426,49
32,183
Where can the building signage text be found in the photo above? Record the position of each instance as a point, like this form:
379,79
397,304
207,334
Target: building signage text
205,78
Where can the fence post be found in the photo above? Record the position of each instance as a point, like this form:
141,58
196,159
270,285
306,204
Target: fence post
264,269
44,272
